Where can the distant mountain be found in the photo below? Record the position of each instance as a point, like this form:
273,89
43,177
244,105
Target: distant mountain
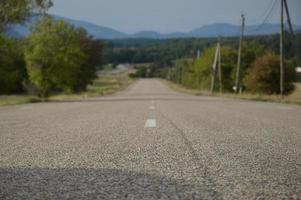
147,34
223,29
100,32
214,30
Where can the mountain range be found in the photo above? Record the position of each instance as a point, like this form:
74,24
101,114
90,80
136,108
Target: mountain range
101,32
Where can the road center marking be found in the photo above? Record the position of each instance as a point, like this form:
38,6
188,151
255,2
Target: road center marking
152,107
150,123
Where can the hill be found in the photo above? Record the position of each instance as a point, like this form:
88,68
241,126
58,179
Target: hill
101,32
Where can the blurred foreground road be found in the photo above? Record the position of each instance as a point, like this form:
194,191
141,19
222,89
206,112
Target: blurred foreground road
149,142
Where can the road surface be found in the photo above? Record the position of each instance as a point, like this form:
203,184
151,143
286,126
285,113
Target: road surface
149,142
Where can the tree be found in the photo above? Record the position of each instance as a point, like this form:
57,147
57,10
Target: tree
54,58
198,74
93,50
16,11
251,51
264,76
12,66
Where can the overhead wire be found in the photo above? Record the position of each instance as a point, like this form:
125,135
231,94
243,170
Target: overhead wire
267,17
269,6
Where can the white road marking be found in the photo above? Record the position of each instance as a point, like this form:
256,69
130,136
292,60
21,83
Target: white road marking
150,123
152,107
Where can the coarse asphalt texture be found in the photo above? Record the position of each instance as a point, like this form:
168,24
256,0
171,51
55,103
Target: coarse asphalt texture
149,142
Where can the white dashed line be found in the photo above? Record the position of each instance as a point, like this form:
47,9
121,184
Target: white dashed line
152,107
150,123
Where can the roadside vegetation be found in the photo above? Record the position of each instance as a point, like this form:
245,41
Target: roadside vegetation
293,98
260,72
102,85
56,59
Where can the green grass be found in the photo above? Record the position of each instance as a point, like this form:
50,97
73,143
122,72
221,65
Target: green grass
294,98
17,99
103,85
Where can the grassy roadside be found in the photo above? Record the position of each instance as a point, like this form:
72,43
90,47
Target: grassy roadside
103,85
294,98
17,99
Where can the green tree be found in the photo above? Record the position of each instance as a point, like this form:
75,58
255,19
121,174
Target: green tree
54,58
250,52
264,76
16,11
203,68
93,49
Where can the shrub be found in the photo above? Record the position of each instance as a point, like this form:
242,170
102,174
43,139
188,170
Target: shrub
264,76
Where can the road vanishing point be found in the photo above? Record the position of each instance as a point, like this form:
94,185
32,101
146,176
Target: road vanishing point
149,142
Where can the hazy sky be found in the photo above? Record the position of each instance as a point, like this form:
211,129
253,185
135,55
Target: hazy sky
170,15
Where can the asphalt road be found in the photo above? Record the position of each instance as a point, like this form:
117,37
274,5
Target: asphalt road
149,142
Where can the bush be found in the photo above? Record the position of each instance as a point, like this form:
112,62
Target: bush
264,76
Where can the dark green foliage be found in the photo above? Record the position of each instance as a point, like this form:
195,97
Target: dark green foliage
16,11
264,76
12,66
148,51
93,50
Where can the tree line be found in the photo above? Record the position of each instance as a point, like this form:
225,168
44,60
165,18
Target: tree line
55,57
167,50
259,71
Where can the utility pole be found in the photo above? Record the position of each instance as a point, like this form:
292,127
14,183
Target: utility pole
237,82
213,71
281,48
283,6
220,70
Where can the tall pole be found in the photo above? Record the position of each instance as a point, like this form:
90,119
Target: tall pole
220,70
213,70
281,48
283,6
237,82
198,54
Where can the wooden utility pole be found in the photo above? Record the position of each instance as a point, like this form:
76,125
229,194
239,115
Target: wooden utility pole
281,47
288,18
283,6
237,82
220,70
213,70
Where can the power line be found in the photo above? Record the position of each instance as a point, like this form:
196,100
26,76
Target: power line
270,5
267,18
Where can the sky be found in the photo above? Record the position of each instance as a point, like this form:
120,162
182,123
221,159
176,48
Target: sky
167,16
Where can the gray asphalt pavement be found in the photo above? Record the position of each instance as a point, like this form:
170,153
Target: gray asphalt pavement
150,142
